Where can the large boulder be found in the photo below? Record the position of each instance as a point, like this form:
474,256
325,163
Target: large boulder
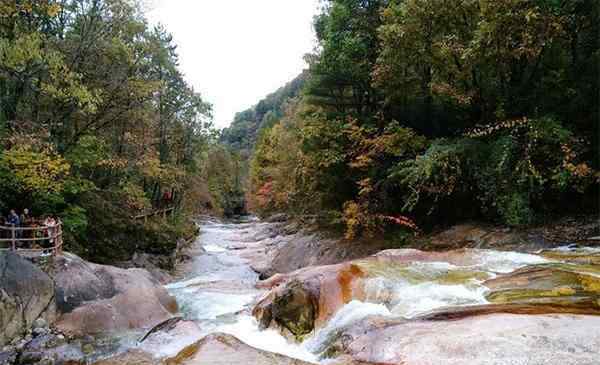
502,339
306,299
94,299
303,249
26,294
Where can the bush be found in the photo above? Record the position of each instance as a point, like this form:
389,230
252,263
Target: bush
509,170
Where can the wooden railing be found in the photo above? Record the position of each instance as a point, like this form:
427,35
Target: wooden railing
39,234
163,212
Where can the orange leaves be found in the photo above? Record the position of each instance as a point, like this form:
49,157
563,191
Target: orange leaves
371,145
402,221
451,92
264,195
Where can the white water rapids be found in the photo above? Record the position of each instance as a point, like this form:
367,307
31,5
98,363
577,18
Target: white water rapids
217,290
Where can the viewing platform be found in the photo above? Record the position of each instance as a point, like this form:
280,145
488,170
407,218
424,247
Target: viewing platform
37,240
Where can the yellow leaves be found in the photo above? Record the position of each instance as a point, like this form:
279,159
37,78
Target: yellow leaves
53,10
36,171
365,187
44,7
113,163
491,129
352,218
136,198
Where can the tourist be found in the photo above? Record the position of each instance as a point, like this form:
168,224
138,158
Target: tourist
13,219
14,222
25,219
50,224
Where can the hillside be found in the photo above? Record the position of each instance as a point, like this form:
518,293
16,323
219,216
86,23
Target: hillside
244,130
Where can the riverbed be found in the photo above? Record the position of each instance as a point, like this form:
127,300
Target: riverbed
216,289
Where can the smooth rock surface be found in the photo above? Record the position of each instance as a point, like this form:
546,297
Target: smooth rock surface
559,284
96,299
26,293
500,339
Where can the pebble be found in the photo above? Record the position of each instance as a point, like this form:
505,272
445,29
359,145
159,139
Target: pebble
40,331
87,348
40,323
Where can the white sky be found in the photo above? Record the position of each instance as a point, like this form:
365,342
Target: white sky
235,52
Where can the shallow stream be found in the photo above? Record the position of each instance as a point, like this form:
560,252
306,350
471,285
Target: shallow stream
216,289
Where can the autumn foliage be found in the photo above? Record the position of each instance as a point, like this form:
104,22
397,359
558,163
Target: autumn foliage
419,113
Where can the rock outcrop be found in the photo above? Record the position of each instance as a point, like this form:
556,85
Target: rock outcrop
306,299
491,339
26,294
571,287
94,299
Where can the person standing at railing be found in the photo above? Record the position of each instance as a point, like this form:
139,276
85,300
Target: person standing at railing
14,222
25,220
13,219
50,224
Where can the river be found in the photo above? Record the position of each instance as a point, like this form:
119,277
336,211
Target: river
216,289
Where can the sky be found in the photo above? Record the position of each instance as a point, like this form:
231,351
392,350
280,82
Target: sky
235,52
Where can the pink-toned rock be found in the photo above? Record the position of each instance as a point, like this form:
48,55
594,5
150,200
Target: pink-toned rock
95,299
502,339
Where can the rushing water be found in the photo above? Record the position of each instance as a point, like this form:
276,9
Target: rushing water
216,289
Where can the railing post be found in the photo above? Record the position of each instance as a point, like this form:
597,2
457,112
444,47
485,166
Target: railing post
14,238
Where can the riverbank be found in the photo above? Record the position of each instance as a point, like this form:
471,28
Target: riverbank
303,244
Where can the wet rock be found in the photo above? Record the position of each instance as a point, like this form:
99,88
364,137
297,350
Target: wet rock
574,288
277,218
170,338
502,339
88,349
8,357
581,257
26,293
40,331
410,282
40,323
296,308
464,235
156,265
133,357
309,298
95,299
51,349
222,349
305,249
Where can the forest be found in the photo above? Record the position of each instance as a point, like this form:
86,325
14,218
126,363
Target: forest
415,115
98,125
410,115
